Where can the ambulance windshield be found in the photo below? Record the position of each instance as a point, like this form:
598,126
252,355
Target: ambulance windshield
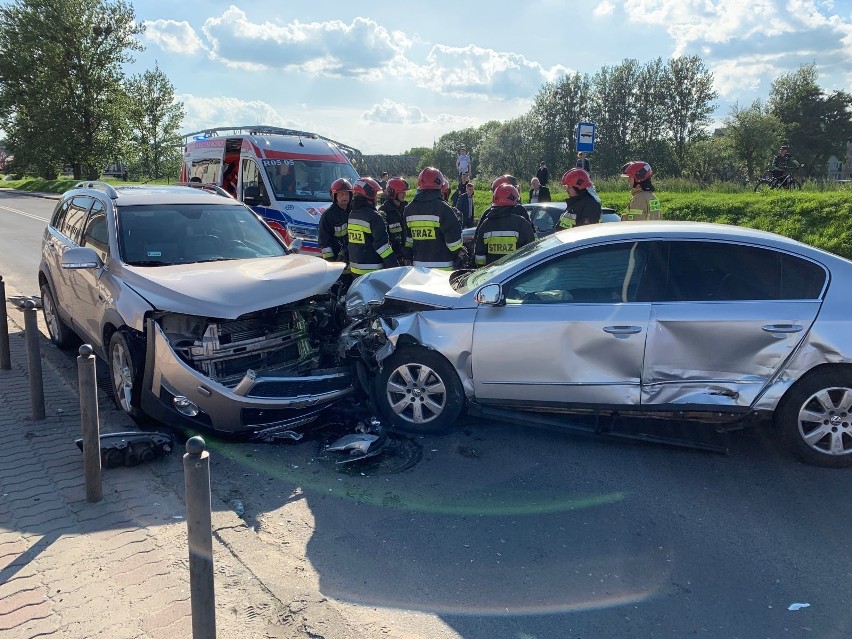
305,180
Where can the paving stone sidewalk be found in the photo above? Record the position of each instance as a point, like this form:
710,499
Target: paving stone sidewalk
116,569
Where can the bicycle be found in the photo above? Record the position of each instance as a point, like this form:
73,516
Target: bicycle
769,181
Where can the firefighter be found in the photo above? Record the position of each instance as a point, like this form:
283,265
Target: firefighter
367,231
503,232
518,210
332,224
644,205
583,205
393,210
433,232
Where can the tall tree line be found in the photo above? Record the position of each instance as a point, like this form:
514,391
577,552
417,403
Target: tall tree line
659,111
64,98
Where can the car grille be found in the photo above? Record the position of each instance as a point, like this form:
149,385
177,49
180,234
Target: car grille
315,384
275,341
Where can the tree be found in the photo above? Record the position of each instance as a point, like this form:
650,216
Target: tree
688,98
613,110
61,79
753,134
155,120
504,151
817,125
557,109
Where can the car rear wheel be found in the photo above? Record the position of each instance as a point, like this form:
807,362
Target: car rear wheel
60,333
418,391
125,373
816,418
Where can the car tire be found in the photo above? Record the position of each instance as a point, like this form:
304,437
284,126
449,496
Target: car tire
815,418
125,373
58,331
417,391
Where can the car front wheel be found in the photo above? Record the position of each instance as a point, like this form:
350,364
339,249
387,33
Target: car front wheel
418,391
816,418
125,372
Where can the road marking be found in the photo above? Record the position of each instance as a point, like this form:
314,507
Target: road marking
25,214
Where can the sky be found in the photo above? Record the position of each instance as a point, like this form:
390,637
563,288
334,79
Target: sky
384,77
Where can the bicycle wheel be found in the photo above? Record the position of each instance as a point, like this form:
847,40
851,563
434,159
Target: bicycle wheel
762,185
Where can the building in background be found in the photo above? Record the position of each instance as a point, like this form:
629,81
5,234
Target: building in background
841,169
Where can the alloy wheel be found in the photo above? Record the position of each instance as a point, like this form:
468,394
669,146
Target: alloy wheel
825,421
416,393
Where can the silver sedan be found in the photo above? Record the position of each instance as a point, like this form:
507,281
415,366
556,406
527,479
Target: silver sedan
709,322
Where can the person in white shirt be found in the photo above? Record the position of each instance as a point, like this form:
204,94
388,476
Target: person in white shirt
538,193
463,162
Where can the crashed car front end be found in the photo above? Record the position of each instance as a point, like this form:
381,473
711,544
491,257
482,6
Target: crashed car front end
406,305
265,371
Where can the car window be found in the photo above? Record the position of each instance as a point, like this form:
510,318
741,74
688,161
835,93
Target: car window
722,271
542,219
96,235
158,235
75,217
601,274
59,214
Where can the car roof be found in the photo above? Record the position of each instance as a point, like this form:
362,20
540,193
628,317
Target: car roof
131,195
669,230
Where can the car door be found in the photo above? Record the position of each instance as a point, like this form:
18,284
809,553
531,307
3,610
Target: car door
93,294
571,332
727,319
67,285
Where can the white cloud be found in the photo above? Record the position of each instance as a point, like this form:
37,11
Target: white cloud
331,48
205,113
605,8
362,49
475,71
172,36
391,112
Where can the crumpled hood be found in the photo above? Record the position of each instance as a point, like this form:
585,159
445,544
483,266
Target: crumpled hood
406,283
232,288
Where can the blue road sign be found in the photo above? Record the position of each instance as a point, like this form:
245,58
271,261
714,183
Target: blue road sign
586,137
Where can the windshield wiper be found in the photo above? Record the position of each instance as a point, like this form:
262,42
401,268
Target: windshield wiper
150,263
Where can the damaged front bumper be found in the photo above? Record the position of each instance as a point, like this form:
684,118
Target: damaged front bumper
179,395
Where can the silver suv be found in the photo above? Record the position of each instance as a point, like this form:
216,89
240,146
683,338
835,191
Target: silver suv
203,316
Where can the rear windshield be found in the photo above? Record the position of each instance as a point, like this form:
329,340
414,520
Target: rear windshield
165,234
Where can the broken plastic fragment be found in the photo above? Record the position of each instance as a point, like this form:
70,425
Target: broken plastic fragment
798,606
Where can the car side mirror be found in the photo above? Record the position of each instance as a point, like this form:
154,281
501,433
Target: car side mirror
81,257
295,245
490,295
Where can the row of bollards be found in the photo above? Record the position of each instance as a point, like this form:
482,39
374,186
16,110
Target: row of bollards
196,462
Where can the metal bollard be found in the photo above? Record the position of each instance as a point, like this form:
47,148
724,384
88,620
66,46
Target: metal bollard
196,469
5,354
86,377
34,361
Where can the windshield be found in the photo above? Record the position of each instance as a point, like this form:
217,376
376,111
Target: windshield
488,273
305,180
165,234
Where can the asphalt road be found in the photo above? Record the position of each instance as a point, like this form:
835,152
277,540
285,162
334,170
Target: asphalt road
504,531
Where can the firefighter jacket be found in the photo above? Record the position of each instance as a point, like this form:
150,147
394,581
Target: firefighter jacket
644,205
433,233
580,210
369,245
501,234
518,210
395,218
332,232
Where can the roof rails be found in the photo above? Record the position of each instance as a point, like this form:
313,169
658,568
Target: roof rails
101,186
264,129
205,186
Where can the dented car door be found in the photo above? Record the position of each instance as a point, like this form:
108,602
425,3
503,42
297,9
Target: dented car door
571,332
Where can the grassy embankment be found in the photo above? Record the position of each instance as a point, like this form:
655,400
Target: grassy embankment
819,217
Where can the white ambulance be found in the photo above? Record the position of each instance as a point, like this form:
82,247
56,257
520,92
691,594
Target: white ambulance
282,174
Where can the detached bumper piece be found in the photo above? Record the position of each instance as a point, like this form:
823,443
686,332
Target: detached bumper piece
131,448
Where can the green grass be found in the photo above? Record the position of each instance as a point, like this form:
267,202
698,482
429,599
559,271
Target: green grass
819,216
61,185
